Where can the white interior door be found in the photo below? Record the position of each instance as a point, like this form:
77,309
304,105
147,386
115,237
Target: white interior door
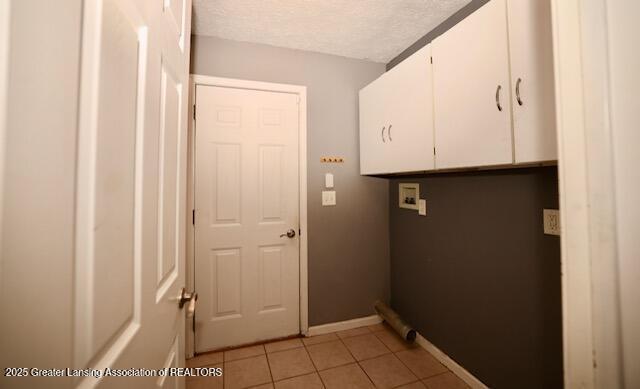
472,92
130,211
246,197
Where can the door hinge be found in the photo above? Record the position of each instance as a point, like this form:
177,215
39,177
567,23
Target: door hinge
434,151
193,217
194,112
431,59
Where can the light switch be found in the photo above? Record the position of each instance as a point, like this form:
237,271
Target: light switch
422,207
328,198
328,180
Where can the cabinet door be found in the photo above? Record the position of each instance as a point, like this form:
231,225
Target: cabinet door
373,127
531,49
410,114
471,80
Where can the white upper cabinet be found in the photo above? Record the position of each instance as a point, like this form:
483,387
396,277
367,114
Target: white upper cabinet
373,127
530,38
396,118
472,91
487,99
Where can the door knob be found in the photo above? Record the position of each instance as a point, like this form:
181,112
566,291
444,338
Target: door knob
191,298
289,234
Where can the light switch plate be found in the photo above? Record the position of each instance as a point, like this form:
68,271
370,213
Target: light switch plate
328,180
328,198
422,207
551,219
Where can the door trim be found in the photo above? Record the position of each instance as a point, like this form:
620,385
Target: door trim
301,91
5,30
591,312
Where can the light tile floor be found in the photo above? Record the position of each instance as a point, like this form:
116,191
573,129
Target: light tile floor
365,357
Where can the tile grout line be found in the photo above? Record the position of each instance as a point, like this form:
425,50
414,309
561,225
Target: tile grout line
360,366
266,355
313,364
273,381
431,355
344,364
392,353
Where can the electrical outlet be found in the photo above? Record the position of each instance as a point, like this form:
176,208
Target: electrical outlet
422,207
551,219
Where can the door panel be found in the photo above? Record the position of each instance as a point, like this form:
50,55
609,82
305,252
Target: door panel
246,196
471,71
226,272
531,51
131,194
107,310
168,231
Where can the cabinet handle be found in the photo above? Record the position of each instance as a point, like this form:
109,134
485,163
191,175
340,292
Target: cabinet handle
498,98
389,133
518,91
383,141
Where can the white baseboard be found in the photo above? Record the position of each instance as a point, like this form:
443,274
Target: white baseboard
452,365
344,325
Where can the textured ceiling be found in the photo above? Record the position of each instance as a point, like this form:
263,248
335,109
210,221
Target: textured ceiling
375,30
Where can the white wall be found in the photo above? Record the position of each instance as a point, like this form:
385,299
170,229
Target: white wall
36,260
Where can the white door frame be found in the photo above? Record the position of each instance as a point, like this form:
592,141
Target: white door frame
299,90
5,27
592,343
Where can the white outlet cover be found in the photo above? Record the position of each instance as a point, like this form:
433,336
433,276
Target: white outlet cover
422,207
328,198
551,220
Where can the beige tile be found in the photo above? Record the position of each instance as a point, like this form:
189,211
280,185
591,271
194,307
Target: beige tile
243,352
393,341
205,360
264,386
290,363
330,354
387,371
320,339
309,381
378,327
445,381
413,385
365,346
246,372
421,363
345,377
353,332
206,382
283,345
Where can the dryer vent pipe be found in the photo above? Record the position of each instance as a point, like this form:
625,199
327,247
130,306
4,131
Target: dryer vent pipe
395,321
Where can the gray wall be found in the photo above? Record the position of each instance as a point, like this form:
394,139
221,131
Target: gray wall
478,278
349,243
439,30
